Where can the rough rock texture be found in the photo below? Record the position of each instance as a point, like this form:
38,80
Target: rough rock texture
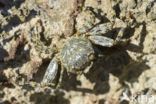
34,31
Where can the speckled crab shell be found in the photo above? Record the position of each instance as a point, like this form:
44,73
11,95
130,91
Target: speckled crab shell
77,53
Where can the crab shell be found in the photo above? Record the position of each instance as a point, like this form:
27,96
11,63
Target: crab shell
77,54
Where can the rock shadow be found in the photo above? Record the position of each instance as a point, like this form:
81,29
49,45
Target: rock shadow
48,98
5,5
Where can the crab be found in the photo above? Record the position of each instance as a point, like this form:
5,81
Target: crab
78,52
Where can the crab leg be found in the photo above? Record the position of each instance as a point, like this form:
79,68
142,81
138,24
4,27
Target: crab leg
61,77
51,71
102,41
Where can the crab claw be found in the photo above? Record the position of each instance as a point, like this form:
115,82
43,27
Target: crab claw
51,71
101,29
102,41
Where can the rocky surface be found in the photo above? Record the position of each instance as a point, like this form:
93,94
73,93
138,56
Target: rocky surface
33,31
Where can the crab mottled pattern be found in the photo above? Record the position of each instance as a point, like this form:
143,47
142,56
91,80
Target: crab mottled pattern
77,53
